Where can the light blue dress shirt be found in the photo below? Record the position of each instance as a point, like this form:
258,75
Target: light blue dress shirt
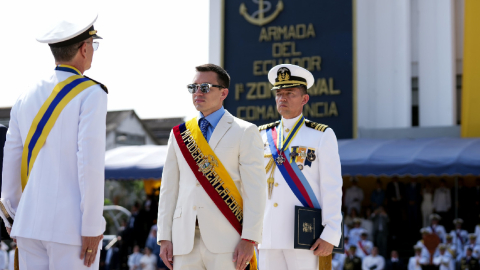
213,119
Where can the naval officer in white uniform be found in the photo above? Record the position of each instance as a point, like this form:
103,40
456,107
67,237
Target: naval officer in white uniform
315,150
57,219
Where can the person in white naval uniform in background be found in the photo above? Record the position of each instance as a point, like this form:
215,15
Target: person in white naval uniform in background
444,260
313,149
53,178
472,238
459,236
373,261
436,228
354,196
452,248
356,232
364,246
416,262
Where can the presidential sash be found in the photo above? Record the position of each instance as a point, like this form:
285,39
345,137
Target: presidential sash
48,114
211,174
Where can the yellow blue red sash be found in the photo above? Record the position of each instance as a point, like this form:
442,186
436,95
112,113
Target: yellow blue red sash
295,179
211,174
48,114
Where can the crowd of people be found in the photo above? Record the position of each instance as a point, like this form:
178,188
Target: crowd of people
136,247
411,219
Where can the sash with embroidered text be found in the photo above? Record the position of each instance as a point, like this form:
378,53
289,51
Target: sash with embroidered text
48,114
211,174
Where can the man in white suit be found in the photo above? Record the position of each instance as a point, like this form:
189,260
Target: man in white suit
56,143
193,230
314,151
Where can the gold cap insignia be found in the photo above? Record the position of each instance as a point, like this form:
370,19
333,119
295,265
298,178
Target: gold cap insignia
283,74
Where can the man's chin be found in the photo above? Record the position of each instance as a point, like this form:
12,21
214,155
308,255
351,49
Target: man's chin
198,107
283,110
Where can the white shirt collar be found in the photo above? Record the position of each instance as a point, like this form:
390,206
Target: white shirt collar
288,123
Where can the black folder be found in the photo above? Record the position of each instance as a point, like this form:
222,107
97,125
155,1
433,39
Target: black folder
308,228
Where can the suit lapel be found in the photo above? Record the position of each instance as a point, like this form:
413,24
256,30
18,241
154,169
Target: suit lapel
222,127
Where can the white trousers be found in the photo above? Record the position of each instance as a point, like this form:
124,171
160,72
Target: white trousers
42,255
287,259
200,258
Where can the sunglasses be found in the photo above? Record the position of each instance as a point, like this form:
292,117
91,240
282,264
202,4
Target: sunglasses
94,45
204,87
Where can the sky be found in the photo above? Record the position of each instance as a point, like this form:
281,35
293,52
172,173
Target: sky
146,58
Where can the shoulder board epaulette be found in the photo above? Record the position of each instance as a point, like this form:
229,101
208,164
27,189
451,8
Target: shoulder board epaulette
316,126
99,83
267,126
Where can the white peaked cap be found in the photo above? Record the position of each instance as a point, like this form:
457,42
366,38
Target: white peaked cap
287,76
69,30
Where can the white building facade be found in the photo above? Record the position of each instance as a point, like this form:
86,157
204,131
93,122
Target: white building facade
407,65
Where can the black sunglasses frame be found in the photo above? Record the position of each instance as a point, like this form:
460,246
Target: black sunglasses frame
204,87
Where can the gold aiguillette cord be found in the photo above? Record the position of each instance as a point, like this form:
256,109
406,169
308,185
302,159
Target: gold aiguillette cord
270,168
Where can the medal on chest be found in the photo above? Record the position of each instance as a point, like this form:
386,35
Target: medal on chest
281,144
280,159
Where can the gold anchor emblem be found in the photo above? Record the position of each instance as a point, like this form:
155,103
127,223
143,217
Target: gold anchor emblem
261,20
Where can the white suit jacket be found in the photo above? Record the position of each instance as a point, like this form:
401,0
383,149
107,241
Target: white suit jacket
63,199
324,176
238,146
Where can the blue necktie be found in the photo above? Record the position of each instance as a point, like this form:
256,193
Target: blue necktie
203,127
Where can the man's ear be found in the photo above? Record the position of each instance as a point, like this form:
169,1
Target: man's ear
224,94
305,99
83,50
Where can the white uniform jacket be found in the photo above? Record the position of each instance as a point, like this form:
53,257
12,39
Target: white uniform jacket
323,175
373,262
367,247
475,250
415,262
64,197
445,262
355,235
238,146
459,238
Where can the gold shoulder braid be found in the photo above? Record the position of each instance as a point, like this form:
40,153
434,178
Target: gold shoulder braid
267,126
316,126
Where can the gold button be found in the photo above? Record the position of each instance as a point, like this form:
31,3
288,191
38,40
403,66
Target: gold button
194,208
275,204
276,184
287,130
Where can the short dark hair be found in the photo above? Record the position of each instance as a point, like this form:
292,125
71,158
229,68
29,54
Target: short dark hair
66,53
303,89
222,75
